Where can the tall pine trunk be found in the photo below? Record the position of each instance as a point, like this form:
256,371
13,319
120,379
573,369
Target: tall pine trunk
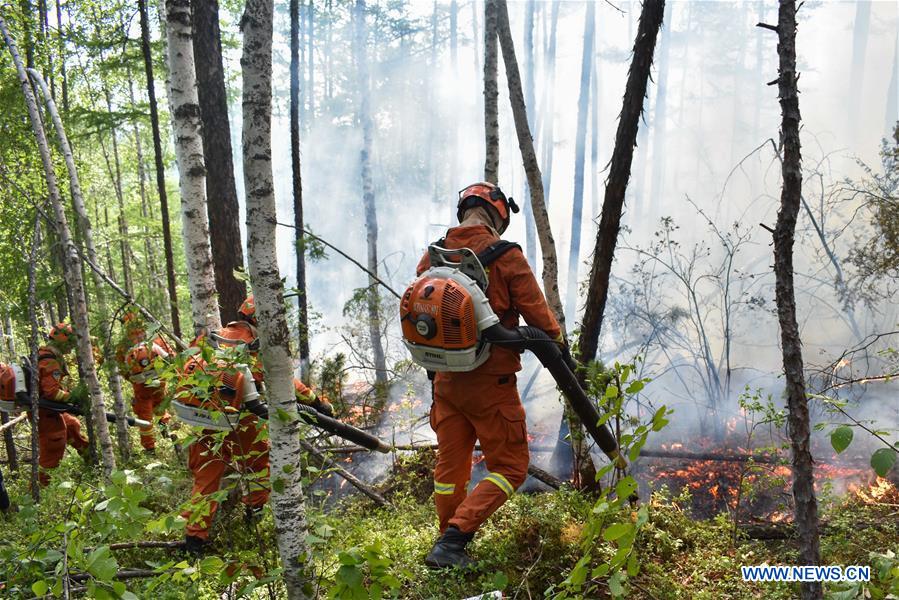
892,115
491,94
805,503
287,501
857,70
619,173
72,266
87,237
221,192
34,417
368,193
302,300
580,152
659,150
160,167
191,169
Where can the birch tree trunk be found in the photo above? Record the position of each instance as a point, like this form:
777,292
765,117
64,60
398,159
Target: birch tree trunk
302,301
72,266
580,152
191,170
805,503
87,236
160,167
221,190
619,173
491,94
288,503
368,194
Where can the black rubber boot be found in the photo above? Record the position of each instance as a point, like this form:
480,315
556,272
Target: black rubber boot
4,497
449,550
195,546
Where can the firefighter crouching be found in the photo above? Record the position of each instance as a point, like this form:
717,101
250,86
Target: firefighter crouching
483,404
56,429
242,449
137,365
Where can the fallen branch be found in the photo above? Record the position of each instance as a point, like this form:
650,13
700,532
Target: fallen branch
123,574
144,544
546,477
357,483
13,422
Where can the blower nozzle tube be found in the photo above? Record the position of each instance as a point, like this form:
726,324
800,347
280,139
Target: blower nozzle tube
326,423
561,366
76,410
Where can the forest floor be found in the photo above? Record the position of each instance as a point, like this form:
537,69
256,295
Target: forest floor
526,549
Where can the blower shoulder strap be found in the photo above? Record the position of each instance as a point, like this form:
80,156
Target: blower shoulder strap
493,252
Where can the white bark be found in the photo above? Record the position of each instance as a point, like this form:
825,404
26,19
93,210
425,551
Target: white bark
185,108
115,382
287,501
71,265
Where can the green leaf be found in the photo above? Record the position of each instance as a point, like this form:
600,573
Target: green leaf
615,531
883,460
500,580
633,565
840,438
211,565
634,387
625,488
278,485
40,587
615,586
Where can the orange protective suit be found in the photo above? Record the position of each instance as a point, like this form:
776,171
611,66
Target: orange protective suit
149,392
483,404
240,450
55,429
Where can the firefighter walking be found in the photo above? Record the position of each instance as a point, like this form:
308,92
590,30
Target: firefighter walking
243,448
56,429
483,404
136,357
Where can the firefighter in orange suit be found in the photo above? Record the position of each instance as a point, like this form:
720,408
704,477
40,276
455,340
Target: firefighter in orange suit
136,364
241,446
56,429
483,404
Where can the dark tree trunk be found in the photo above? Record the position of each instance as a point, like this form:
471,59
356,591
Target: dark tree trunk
619,173
302,305
580,151
491,94
160,167
805,502
62,58
221,193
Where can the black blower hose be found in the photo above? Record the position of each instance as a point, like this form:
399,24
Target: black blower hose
76,410
561,366
321,421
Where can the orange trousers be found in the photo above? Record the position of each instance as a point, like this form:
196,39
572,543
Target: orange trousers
55,430
468,408
240,451
144,404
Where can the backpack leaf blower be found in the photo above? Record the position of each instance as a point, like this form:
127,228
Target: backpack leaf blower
449,325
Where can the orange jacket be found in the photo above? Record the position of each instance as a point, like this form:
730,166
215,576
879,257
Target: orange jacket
241,332
512,291
53,375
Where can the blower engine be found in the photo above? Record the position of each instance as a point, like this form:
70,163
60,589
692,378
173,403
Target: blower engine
448,325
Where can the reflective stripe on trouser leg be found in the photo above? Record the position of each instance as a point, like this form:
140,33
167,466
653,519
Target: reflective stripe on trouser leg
444,489
501,482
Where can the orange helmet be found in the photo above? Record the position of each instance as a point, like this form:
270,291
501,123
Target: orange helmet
486,194
61,334
247,310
